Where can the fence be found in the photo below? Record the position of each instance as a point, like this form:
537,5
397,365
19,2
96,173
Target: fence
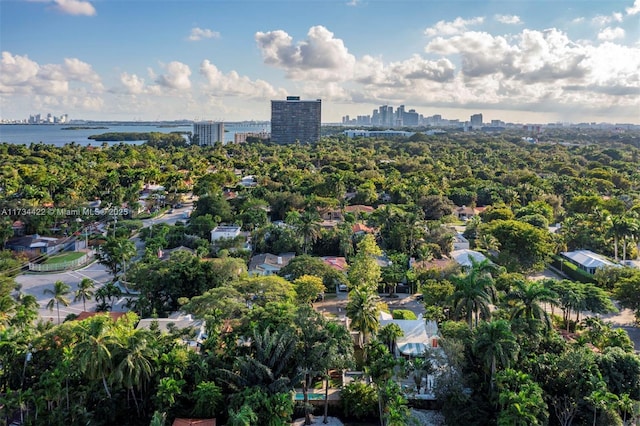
62,266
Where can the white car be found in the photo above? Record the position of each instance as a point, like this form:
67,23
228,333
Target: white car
342,287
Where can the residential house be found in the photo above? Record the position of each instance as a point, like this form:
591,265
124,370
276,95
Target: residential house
178,322
587,260
269,264
225,231
464,257
248,181
460,242
360,229
466,213
37,245
418,335
337,263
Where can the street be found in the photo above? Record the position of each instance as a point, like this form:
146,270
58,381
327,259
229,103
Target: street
36,283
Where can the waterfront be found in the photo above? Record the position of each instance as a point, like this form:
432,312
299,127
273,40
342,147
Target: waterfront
54,134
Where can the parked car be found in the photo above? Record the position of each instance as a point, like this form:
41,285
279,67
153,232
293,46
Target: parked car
342,287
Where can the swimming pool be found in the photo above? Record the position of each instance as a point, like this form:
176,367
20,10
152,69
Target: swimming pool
312,396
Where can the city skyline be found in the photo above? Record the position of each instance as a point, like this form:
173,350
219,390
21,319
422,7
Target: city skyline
515,61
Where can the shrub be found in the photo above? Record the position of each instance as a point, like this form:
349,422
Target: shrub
359,400
403,314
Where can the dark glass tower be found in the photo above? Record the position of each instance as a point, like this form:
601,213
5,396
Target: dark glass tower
295,120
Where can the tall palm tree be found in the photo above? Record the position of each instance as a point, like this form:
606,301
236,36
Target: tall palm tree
308,227
617,227
59,293
138,363
95,350
474,291
363,310
528,295
84,292
496,345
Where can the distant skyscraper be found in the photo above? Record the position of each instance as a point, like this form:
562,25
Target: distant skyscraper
295,120
476,120
208,133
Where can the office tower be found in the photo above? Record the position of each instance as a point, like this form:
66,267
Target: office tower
476,120
386,116
208,133
295,120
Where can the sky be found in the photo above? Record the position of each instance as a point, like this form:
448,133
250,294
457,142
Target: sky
524,61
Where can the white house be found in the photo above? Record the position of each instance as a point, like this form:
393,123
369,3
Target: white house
587,260
269,264
463,257
224,231
178,322
460,242
418,335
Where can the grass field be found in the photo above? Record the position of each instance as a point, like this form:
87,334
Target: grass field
64,257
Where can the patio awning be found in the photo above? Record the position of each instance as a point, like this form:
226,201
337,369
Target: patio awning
412,349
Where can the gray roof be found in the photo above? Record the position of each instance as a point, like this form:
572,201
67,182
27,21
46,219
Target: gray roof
588,259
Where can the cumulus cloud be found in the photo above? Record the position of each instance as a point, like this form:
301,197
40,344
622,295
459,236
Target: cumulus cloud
133,84
457,26
508,19
320,57
537,68
19,74
635,9
201,34
233,84
610,34
176,76
75,7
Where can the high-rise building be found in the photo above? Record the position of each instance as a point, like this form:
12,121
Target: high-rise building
208,133
476,120
295,120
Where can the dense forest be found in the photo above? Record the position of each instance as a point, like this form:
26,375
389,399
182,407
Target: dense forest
513,351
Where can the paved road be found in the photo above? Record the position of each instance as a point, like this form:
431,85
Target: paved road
36,283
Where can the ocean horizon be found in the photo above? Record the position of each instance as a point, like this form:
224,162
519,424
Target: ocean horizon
62,134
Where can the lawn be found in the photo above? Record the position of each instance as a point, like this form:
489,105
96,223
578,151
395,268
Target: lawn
64,257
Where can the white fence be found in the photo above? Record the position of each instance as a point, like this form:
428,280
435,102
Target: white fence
62,266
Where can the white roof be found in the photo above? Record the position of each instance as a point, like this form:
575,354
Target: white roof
415,339
588,259
462,257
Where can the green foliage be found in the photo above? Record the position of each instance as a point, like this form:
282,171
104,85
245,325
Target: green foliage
403,314
359,400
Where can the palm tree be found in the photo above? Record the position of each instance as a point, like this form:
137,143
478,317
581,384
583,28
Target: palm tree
363,311
59,292
95,349
617,227
138,364
528,295
84,292
496,345
474,291
389,334
308,228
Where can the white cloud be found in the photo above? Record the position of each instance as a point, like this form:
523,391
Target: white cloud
75,7
132,83
635,9
176,76
232,84
508,19
200,34
352,3
602,20
16,72
457,26
610,34
19,74
320,57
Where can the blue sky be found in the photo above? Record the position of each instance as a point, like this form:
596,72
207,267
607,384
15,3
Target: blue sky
528,61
